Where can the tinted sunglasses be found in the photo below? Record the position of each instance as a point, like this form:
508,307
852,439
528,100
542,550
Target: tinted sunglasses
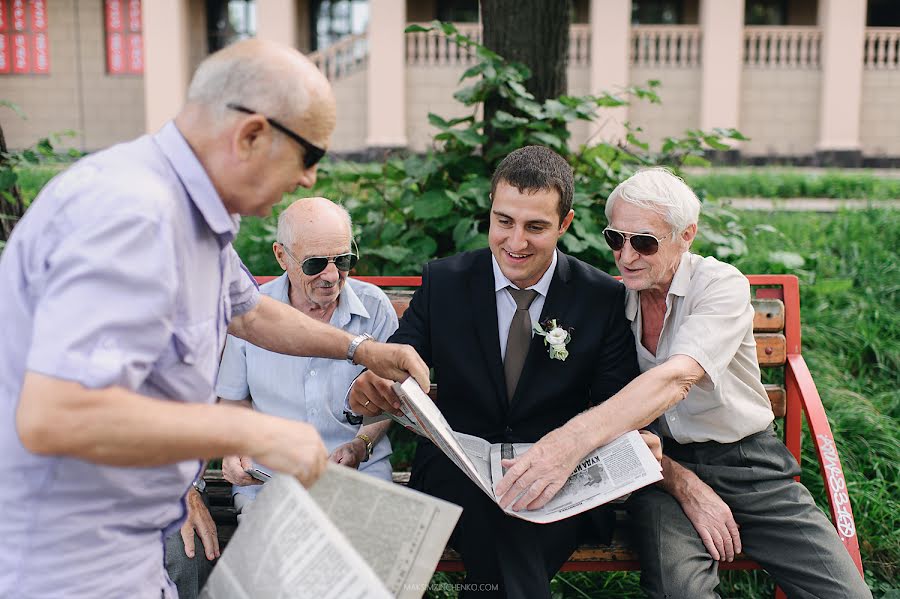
316,264
311,152
643,243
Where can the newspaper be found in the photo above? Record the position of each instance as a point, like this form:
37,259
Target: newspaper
607,473
350,536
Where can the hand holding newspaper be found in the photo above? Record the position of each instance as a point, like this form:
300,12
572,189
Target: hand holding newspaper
605,474
350,536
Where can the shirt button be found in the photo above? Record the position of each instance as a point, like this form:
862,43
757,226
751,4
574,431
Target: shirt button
313,412
508,430
312,373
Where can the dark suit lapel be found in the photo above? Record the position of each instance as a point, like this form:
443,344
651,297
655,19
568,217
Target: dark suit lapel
483,303
560,296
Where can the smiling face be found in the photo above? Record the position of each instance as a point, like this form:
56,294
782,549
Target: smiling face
524,230
655,272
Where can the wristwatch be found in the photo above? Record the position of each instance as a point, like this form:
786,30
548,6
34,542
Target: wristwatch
354,345
368,441
199,485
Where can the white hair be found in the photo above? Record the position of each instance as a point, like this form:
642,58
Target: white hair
660,190
286,233
252,80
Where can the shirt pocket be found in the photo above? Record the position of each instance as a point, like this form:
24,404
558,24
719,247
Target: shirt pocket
700,401
186,370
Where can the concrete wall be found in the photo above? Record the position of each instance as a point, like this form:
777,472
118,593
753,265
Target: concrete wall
780,111
880,117
350,130
679,91
102,109
430,89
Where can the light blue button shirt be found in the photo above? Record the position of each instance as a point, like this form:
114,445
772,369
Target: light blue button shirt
310,389
121,273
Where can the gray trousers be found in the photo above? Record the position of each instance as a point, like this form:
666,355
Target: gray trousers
780,526
188,574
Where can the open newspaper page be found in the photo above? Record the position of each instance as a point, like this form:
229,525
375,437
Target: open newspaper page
605,474
419,408
351,536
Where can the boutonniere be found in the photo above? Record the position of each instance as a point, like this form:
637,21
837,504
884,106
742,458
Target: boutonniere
556,337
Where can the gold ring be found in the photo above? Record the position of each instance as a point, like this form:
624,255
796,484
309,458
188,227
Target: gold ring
366,405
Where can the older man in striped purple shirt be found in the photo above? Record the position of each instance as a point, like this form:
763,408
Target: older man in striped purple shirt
118,288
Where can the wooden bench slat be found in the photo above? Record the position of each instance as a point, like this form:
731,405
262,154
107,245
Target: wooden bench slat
768,315
771,349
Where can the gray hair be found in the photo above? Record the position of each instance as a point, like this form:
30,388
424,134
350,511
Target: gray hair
286,233
251,80
660,190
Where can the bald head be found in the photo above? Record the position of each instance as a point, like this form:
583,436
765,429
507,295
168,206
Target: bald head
269,78
313,218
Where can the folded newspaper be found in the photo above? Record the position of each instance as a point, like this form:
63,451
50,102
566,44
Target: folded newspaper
350,536
605,474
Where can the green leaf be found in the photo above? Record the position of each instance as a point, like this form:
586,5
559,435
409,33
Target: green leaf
475,243
695,160
437,121
416,29
391,253
432,204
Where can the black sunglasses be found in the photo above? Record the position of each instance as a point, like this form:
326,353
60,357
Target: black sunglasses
643,243
311,152
316,264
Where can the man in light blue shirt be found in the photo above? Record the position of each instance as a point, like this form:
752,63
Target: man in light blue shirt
314,236
118,288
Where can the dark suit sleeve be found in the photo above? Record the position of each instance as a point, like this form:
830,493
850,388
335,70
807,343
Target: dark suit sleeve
415,325
617,361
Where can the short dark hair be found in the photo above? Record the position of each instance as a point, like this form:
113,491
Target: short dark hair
535,167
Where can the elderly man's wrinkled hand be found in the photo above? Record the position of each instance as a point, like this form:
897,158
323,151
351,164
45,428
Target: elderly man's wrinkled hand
348,454
653,443
393,361
371,395
713,521
234,470
537,475
200,521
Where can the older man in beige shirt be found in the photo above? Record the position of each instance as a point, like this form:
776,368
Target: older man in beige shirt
728,480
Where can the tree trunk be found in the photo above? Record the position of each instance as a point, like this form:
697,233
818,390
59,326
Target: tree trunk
535,33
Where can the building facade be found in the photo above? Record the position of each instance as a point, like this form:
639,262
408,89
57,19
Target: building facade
814,81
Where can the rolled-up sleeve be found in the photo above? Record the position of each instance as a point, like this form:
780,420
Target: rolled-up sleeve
241,285
716,326
105,305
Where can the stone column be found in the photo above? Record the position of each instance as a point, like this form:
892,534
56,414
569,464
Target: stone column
166,60
610,48
721,58
386,81
843,24
276,20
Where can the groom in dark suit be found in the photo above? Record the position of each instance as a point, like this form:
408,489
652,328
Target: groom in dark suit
471,321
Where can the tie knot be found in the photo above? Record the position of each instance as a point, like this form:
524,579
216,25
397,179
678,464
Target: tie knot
522,297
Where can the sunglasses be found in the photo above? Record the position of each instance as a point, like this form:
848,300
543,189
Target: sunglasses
316,264
311,152
643,243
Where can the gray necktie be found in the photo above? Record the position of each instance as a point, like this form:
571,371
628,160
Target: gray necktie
519,338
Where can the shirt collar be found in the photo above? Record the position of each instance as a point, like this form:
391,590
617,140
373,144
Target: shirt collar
196,182
542,286
349,304
679,286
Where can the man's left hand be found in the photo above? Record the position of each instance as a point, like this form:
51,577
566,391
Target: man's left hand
539,473
349,454
200,521
653,443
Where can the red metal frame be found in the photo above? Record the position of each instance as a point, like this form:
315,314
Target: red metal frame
802,397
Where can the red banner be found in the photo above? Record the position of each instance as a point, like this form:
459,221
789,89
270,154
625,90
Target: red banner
20,53
114,20
18,15
135,53
3,22
115,53
38,15
4,52
41,64
134,15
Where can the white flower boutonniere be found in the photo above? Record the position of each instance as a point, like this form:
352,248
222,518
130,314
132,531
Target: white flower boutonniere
556,337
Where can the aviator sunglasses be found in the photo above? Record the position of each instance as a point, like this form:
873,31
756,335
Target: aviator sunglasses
316,264
643,243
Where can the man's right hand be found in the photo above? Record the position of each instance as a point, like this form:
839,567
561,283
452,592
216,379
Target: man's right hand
393,361
371,395
291,447
234,469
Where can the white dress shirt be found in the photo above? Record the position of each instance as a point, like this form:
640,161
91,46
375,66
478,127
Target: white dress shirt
506,305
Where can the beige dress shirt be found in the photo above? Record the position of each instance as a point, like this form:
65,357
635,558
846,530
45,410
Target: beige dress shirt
709,318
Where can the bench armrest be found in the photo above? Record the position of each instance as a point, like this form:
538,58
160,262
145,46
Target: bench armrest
800,381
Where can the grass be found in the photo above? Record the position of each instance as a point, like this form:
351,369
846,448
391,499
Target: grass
765,183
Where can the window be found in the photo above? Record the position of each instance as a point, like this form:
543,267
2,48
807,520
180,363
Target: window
883,13
228,21
766,12
334,19
24,46
656,12
458,11
124,37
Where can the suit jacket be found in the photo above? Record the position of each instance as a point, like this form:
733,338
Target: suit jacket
452,323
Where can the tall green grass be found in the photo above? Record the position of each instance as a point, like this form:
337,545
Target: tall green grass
795,184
